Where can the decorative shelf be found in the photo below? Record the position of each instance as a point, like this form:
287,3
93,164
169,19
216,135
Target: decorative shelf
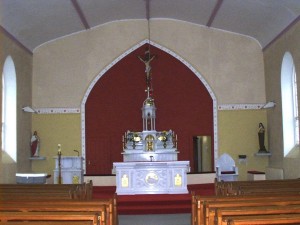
37,158
263,154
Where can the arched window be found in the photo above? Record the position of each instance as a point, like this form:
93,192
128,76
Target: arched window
9,102
290,120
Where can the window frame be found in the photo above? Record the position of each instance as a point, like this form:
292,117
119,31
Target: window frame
9,109
289,99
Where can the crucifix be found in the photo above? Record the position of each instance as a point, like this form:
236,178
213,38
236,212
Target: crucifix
146,60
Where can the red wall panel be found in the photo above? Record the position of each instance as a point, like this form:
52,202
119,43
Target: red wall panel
114,106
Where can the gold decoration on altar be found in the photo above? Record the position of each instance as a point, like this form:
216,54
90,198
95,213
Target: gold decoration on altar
151,178
132,137
164,138
75,180
136,137
178,180
124,181
149,139
149,101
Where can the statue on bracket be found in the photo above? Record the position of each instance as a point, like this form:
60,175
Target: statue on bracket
35,144
261,139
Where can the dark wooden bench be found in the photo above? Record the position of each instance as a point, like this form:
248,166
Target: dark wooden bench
51,216
46,191
212,209
253,211
105,207
257,187
46,223
204,207
99,209
56,198
262,219
246,198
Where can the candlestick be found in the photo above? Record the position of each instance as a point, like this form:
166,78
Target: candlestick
59,149
59,163
123,141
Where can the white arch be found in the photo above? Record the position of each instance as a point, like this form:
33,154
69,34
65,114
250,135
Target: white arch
9,108
215,119
288,107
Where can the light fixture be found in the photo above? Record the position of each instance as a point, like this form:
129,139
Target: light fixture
269,105
29,109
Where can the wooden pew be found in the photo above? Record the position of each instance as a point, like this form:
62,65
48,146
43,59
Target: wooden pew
233,197
33,196
212,209
46,223
24,197
46,191
203,207
50,216
45,197
223,214
262,219
53,207
257,187
106,207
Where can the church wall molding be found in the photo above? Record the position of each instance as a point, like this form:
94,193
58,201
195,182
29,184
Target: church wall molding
220,107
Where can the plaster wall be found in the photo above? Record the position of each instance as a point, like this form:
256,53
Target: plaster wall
23,66
238,135
273,57
232,64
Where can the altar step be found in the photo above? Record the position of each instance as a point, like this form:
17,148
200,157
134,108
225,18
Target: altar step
153,203
201,189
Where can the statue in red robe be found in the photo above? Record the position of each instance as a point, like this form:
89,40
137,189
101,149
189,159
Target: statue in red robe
35,144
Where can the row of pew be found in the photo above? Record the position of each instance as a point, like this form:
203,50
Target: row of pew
50,191
257,203
236,202
291,186
50,204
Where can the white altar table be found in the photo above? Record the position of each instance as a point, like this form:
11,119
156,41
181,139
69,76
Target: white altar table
169,177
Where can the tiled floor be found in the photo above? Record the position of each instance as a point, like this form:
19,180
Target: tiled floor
155,219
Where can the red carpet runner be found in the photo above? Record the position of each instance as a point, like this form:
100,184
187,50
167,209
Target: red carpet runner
153,204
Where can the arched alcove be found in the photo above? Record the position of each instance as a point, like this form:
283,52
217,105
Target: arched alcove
112,105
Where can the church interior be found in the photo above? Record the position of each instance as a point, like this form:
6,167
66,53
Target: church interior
101,85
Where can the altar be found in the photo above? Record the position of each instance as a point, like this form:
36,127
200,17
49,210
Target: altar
169,177
150,158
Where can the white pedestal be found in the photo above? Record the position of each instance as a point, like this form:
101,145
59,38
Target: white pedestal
71,170
254,175
151,177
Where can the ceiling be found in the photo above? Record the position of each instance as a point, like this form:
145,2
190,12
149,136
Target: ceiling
33,22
